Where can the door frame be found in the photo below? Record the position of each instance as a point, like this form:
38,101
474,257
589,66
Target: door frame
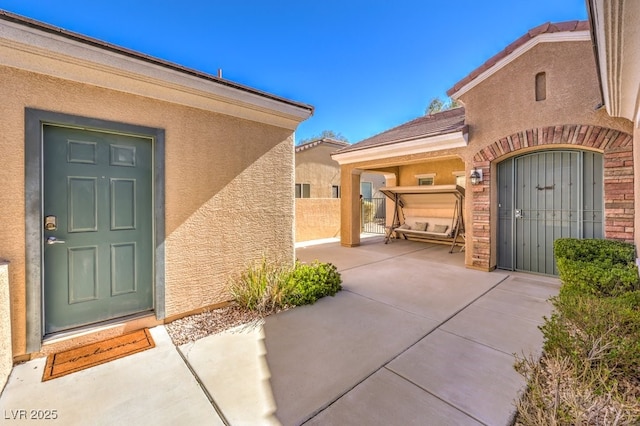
35,119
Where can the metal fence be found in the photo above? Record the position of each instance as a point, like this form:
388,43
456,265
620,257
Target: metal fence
373,215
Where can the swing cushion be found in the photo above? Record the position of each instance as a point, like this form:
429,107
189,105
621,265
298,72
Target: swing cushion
415,225
420,226
439,229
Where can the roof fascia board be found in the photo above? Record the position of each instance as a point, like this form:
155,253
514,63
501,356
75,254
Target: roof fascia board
604,55
39,51
397,149
615,32
567,36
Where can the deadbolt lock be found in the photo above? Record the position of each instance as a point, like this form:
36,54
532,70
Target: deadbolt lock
50,223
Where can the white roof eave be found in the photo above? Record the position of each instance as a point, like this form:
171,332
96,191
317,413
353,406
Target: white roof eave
396,149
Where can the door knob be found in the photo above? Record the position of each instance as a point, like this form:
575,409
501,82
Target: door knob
519,214
54,240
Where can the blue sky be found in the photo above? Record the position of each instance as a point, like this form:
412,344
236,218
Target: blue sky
365,66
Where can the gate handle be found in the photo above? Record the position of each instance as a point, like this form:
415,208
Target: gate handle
54,240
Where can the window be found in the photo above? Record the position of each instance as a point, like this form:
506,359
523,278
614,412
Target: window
335,191
426,179
303,190
541,86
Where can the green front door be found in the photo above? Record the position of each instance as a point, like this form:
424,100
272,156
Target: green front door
98,227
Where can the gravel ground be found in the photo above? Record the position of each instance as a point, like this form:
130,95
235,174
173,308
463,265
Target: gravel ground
194,327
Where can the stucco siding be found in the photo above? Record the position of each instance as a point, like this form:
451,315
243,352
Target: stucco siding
505,102
315,167
228,186
442,169
317,218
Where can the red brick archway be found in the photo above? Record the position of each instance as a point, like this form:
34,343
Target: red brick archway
617,148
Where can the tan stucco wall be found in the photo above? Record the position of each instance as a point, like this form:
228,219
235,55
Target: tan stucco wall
315,167
443,170
317,218
229,181
6,358
505,103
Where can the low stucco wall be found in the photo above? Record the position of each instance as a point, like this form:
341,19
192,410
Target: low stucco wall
6,359
317,218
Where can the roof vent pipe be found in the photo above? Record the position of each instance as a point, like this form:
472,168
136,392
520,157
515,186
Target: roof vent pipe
219,72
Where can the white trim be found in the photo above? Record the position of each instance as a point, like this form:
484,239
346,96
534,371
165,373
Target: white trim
616,34
396,149
37,51
425,175
565,36
459,173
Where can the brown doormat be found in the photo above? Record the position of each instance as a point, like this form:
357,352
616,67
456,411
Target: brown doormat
77,359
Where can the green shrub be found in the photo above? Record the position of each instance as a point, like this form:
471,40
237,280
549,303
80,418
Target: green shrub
595,333
312,282
269,287
589,373
593,250
597,267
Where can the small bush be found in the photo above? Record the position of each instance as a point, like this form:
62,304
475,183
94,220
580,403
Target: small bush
269,287
590,370
597,267
594,250
263,287
312,282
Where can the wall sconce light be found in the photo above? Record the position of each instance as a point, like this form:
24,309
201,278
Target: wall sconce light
475,176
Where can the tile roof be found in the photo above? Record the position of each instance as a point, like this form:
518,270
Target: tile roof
548,28
32,23
327,141
440,123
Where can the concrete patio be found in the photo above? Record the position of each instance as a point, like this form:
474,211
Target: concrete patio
413,338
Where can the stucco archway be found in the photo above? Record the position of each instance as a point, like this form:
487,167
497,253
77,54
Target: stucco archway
617,149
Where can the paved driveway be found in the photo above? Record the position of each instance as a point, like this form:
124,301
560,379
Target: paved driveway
414,338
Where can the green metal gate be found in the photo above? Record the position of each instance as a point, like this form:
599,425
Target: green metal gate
545,196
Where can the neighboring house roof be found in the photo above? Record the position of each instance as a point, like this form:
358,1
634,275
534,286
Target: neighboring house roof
442,130
436,124
86,54
549,32
324,141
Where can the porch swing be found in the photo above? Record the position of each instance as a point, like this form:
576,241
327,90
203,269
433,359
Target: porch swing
427,213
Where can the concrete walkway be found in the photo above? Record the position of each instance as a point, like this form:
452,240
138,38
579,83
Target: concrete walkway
414,338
